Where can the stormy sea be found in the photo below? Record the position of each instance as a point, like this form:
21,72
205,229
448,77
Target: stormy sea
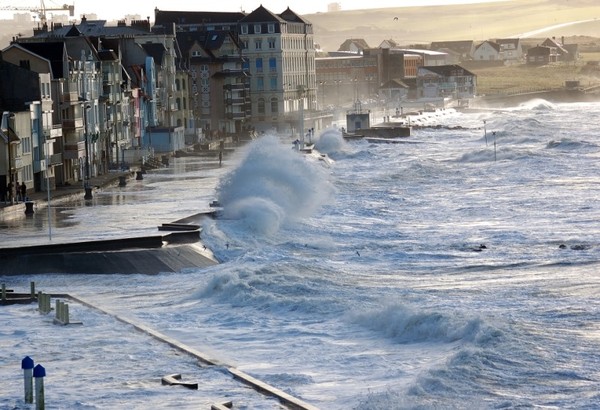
458,269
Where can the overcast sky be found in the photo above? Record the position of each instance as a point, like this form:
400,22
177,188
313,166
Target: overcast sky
115,9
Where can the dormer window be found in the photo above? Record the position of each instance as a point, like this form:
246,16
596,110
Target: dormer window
257,29
271,28
244,29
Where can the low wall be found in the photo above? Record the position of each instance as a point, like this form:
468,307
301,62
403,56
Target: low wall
144,255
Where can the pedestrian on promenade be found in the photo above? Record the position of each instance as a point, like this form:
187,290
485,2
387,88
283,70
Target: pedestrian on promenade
9,192
17,191
23,189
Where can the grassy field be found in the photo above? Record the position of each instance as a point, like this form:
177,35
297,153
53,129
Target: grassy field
522,78
530,20
477,22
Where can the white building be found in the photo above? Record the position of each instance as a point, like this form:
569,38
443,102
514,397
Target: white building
487,51
281,60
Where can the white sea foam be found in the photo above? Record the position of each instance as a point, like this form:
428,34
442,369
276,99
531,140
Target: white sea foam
331,142
538,104
379,298
273,184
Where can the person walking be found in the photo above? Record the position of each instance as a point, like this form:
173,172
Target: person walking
9,193
23,189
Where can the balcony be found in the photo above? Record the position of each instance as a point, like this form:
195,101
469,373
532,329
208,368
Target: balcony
70,97
56,159
69,124
235,101
233,87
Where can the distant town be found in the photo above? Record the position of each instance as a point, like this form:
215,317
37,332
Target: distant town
81,99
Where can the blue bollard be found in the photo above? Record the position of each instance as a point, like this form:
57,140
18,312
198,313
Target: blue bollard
38,374
27,366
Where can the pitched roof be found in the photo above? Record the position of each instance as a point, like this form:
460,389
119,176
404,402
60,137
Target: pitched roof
196,17
462,46
449,70
207,40
52,51
389,43
93,28
262,15
513,41
360,44
492,44
550,42
73,32
289,15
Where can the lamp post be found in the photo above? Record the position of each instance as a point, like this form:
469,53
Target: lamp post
301,102
6,116
47,148
322,83
116,132
86,186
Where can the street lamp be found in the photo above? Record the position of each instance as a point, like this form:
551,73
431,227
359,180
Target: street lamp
301,92
322,83
6,116
115,119
86,186
47,144
337,91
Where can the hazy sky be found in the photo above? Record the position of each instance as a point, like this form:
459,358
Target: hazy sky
114,9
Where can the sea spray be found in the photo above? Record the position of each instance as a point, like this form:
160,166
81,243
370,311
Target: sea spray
330,142
407,326
272,185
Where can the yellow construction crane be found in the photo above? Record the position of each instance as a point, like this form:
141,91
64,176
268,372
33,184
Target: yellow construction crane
41,10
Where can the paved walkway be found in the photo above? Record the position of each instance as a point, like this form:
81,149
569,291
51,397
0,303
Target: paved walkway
10,210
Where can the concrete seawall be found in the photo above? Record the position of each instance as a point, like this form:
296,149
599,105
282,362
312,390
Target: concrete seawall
146,255
554,96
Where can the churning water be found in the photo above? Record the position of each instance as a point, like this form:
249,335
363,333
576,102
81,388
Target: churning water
457,272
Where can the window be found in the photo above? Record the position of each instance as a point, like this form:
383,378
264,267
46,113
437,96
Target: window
273,83
272,64
246,65
274,105
257,29
260,83
244,29
271,28
258,44
261,105
271,42
25,145
259,65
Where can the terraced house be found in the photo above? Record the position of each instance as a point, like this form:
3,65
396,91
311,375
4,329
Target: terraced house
277,84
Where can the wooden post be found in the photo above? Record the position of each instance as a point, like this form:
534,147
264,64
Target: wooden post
38,374
27,366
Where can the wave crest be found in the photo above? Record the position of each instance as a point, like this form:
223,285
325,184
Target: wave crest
272,184
406,326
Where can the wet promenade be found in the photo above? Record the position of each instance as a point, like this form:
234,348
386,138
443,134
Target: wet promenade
183,188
